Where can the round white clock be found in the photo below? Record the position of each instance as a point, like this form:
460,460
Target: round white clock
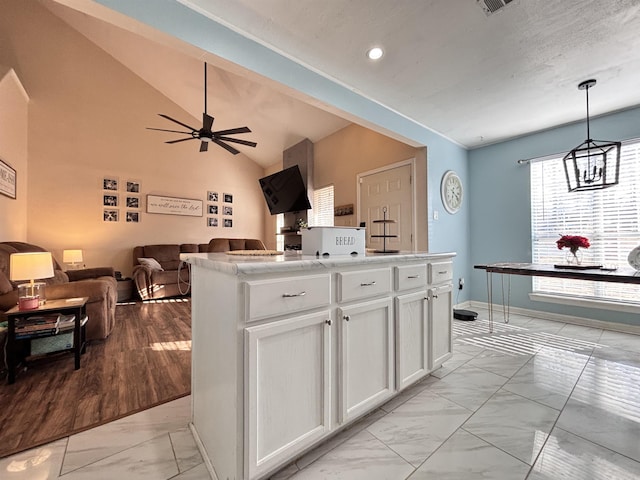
451,191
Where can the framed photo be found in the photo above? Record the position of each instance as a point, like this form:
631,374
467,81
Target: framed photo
7,180
228,198
110,200
133,202
212,222
133,186
110,215
228,222
213,209
109,183
212,196
227,210
133,217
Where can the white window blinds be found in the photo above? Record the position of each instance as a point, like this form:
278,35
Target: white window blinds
609,218
322,207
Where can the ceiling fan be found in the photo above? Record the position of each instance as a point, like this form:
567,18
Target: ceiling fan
204,134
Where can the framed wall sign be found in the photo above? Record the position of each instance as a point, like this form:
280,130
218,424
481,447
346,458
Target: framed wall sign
174,206
7,180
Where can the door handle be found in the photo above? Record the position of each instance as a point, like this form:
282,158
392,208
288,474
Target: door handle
368,284
290,295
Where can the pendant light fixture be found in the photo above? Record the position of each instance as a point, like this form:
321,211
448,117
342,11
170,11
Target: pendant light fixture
594,164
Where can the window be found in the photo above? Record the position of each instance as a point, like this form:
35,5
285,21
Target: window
322,215
609,218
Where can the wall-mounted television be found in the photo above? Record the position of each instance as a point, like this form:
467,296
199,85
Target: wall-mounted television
285,192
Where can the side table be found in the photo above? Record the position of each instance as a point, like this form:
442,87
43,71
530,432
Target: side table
75,306
125,289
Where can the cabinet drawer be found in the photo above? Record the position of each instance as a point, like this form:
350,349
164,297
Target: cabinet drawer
268,298
363,284
440,272
411,276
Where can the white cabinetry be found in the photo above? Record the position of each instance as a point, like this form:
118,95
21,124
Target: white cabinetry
287,351
288,388
366,353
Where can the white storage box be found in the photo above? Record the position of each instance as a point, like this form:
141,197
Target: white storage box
333,241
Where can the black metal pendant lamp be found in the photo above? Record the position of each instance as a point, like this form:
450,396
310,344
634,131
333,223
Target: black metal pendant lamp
594,164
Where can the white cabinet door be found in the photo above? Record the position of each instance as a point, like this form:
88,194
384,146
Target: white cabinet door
366,352
440,323
412,338
287,389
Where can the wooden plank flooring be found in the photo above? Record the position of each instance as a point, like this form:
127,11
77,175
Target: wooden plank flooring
145,361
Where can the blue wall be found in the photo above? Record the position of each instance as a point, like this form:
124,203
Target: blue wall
500,220
449,233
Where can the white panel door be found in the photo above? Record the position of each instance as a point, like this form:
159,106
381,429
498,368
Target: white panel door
412,338
391,189
441,324
366,352
287,389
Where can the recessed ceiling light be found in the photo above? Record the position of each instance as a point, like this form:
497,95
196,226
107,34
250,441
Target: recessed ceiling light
375,53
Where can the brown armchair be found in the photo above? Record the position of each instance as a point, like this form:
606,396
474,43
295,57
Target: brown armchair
99,284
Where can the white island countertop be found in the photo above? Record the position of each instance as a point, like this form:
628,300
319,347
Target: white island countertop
291,261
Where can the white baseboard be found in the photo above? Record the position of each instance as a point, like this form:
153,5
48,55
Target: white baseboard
558,317
203,453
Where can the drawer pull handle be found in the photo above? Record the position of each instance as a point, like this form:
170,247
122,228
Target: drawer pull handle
346,317
328,322
413,276
368,284
442,272
290,295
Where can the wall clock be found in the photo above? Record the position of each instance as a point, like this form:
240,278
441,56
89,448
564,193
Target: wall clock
451,191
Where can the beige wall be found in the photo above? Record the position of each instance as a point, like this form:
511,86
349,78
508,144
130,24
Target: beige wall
340,157
87,120
13,151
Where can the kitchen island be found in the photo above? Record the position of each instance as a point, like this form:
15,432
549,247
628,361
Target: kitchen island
289,349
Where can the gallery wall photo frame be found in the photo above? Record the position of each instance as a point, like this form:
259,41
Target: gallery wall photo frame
133,186
132,217
212,196
227,197
7,180
110,183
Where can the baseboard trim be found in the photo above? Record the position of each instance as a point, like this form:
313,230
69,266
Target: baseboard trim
203,452
558,317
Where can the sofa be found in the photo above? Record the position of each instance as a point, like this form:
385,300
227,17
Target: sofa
98,284
159,273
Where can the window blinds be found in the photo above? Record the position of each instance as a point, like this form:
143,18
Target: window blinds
322,207
609,218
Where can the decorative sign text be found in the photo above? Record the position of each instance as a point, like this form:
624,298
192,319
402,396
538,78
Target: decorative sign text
174,206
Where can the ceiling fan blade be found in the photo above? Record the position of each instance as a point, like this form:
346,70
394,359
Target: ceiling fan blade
237,140
181,140
207,122
232,131
172,131
176,121
226,147
204,146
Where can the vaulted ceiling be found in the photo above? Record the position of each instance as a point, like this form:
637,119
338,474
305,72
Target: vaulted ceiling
476,78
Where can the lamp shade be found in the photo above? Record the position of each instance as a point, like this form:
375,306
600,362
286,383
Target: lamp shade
30,266
71,256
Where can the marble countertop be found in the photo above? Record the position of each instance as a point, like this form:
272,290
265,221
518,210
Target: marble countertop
291,261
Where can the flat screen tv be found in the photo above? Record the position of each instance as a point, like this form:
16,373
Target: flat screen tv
285,192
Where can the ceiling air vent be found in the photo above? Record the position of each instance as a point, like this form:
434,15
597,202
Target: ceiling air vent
492,6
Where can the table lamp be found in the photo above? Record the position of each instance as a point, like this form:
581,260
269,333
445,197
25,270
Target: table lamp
72,256
30,266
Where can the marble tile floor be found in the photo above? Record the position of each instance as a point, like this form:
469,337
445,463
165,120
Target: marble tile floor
534,400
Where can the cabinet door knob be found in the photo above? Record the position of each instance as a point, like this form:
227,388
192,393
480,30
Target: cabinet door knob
328,322
434,295
346,317
290,295
368,284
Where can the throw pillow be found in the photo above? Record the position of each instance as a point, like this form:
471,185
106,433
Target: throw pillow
150,263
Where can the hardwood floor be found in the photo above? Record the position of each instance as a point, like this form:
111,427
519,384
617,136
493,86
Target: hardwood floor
145,361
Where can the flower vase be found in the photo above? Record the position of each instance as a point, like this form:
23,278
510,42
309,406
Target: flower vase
574,257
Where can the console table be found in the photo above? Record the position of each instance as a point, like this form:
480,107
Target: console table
75,306
619,275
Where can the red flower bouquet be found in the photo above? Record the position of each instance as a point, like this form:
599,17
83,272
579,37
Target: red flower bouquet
573,242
